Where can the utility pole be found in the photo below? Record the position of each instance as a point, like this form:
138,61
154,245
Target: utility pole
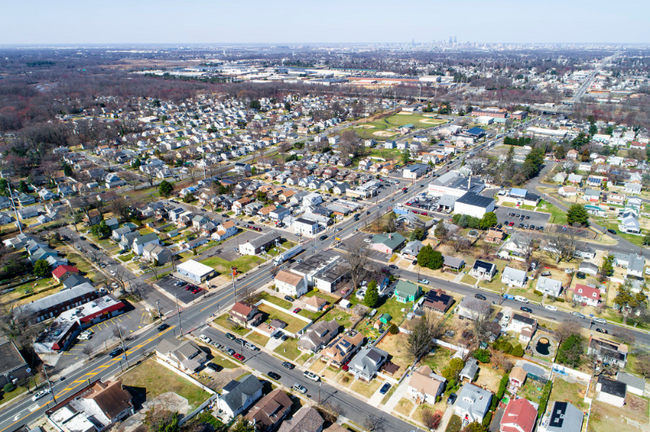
49,383
119,329
13,204
158,306
233,273
178,312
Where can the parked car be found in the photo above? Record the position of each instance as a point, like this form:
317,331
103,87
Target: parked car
581,275
288,298
288,365
213,367
276,376
526,309
251,347
297,387
611,231
296,310
85,335
549,307
601,330
452,399
480,296
393,266
162,327
205,339
230,336
384,389
238,356
599,320
578,315
312,376
423,281
231,351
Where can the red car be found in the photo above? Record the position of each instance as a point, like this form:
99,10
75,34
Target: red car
296,310
196,291
238,356
511,224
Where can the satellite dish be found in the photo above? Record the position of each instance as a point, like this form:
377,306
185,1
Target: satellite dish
28,370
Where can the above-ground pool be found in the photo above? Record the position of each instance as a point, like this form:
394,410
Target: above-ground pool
543,345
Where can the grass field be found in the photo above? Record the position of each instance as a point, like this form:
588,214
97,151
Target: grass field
243,263
293,324
342,317
149,375
366,389
289,349
557,216
564,391
258,338
275,300
223,322
392,123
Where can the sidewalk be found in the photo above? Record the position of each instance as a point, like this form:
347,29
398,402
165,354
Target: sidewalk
396,397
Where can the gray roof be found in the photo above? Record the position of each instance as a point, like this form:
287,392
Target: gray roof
146,238
470,369
264,239
10,357
474,400
631,380
514,274
565,418
237,392
368,361
637,262
307,419
58,298
319,334
413,247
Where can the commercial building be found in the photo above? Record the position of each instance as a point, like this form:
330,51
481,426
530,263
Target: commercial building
455,184
259,244
53,305
475,205
194,271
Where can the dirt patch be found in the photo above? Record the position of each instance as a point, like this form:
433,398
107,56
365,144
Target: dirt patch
383,134
633,417
365,126
487,377
396,345
431,121
166,401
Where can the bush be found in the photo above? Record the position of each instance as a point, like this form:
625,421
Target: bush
487,419
482,355
518,351
393,329
9,387
539,293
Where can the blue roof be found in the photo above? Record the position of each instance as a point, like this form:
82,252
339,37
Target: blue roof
518,192
476,131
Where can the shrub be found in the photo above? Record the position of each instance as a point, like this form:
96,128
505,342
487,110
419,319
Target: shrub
539,293
487,419
518,351
393,329
482,355
9,387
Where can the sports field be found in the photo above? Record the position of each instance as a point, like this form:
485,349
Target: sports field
387,128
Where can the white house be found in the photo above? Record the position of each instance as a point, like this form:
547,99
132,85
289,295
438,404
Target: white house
224,231
425,386
611,392
303,226
140,242
514,277
290,284
237,396
549,286
472,404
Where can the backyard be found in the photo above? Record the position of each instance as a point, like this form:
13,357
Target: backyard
606,418
148,376
293,324
225,323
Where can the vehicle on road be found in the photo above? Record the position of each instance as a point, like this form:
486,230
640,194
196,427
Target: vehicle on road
423,281
117,351
601,330
251,347
549,307
611,231
578,315
40,394
297,387
276,376
526,309
521,299
230,336
393,266
288,365
162,327
238,356
312,376
205,339
287,255
384,389
367,240
480,296
323,237
599,320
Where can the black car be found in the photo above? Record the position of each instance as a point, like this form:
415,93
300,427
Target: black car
526,309
611,231
288,298
451,399
323,237
288,365
162,327
480,296
393,266
213,367
601,330
274,375
230,336
117,351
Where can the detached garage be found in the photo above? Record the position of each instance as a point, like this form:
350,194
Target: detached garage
475,205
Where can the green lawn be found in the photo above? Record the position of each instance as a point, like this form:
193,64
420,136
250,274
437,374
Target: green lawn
388,154
126,257
495,285
257,338
568,392
469,279
557,216
340,316
149,376
293,324
223,322
243,263
275,300
324,296
526,292
289,349
6,397
222,361
438,360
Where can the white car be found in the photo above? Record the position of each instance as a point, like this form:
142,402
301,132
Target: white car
40,394
299,388
312,376
367,240
85,335
112,272
549,307
205,339
423,281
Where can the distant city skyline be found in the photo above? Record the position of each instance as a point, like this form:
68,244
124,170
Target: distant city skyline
292,22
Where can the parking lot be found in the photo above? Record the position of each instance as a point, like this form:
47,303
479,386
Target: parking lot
179,289
530,218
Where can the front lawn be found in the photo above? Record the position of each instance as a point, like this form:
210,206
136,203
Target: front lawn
289,349
223,322
150,375
276,300
257,338
366,389
126,257
243,263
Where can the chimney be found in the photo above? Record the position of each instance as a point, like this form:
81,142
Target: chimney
469,183
390,236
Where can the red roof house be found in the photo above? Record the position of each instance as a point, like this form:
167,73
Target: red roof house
519,416
59,272
586,294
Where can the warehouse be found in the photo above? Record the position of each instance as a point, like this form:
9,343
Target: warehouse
194,271
475,205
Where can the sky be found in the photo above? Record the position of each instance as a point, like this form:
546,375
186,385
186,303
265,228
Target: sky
48,22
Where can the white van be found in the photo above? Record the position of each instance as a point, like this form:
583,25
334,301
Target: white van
521,299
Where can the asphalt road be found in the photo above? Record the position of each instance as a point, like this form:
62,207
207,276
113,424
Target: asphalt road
352,407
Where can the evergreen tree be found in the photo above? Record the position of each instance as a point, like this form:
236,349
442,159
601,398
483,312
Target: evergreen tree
165,189
41,268
372,295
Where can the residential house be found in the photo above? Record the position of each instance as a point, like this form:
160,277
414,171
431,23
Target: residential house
290,283
495,236
304,226
238,396
388,243
607,351
437,300
451,263
140,242
318,335
367,363
259,244
567,191
412,249
424,386
524,325
517,378
564,417
551,287
519,416
483,270
471,308
472,404
156,253
307,419
184,355
634,384
469,371
406,292
315,303
268,412
586,295
341,349
244,313
514,277
63,271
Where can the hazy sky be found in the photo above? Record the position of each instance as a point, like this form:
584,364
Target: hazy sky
289,21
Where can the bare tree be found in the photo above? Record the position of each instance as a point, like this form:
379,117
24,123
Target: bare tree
423,331
431,419
460,244
567,328
374,423
357,258
16,323
561,245
122,277
481,322
87,350
121,207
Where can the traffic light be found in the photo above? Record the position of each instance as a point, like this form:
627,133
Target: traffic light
234,271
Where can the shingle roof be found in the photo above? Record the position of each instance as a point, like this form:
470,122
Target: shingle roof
306,419
239,391
565,418
470,198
